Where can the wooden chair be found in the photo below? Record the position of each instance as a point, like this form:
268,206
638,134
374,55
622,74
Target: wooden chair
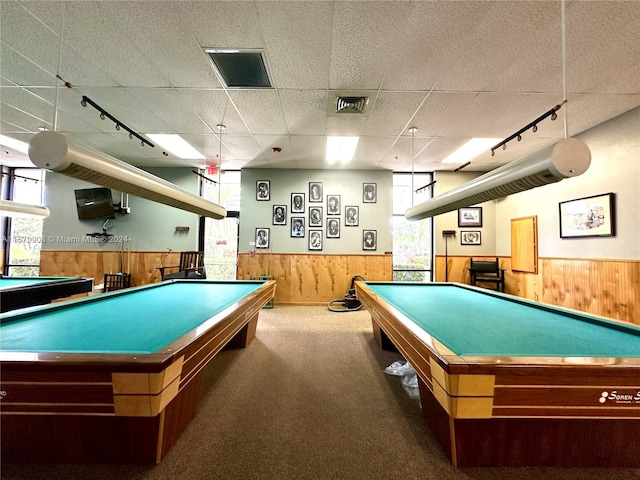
116,281
191,266
487,271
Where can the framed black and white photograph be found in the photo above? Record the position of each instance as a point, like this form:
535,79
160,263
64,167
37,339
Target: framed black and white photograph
351,215
263,190
297,203
333,227
369,239
315,192
333,204
470,217
297,227
470,237
315,216
369,192
315,239
588,217
262,237
279,214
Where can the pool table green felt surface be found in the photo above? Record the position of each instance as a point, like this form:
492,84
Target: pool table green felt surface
471,322
139,323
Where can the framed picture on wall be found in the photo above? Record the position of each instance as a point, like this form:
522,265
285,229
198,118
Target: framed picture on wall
369,239
263,190
351,215
279,215
315,216
333,204
315,192
470,237
297,227
262,237
470,217
315,239
333,227
369,193
297,203
588,217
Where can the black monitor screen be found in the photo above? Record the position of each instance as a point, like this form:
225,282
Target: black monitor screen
94,203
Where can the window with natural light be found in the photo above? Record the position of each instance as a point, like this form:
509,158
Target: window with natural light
24,234
412,241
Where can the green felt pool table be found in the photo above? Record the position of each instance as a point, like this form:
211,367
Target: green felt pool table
21,292
116,378
509,382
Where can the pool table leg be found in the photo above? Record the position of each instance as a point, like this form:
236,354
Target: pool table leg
245,335
381,338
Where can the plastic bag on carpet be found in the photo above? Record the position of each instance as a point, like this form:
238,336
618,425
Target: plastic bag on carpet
408,377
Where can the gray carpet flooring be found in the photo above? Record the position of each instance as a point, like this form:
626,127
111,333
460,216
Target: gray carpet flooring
307,400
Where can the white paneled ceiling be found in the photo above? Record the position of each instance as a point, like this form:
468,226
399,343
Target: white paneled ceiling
453,69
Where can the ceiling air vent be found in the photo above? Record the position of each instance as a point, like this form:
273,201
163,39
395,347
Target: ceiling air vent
240,68
351,104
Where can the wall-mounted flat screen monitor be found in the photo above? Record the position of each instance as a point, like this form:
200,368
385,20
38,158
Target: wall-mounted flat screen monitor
94,203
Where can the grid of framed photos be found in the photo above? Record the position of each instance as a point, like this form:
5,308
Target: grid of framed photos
322,220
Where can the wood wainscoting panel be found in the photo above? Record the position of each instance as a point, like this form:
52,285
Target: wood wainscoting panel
610,288
95,263
311,279
603,287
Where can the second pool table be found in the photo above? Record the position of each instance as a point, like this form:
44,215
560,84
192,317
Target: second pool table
21,292
116,378
509,382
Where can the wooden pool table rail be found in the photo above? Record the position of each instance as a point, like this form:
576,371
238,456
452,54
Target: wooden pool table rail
468,399
133,407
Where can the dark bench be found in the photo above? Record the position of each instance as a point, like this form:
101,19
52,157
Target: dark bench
487,271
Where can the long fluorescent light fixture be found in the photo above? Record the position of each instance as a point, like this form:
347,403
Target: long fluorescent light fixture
53,151
341,149
15,144
471,149
570,157
176,145
13,209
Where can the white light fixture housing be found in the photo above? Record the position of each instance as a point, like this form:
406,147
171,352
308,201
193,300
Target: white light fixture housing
341,149
570,157
15,144
13,209
176,145
471,149
53,151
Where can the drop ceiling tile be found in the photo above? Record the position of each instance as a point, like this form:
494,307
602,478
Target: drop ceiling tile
346,126
261,110
16,70
364,39
223,24
305,111
393,112
25,34
298,42
309,148
101,40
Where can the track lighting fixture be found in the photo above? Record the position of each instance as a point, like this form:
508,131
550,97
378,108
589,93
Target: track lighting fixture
533,126
119,125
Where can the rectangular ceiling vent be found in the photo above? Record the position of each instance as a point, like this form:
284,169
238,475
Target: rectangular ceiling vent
240,68
351,104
